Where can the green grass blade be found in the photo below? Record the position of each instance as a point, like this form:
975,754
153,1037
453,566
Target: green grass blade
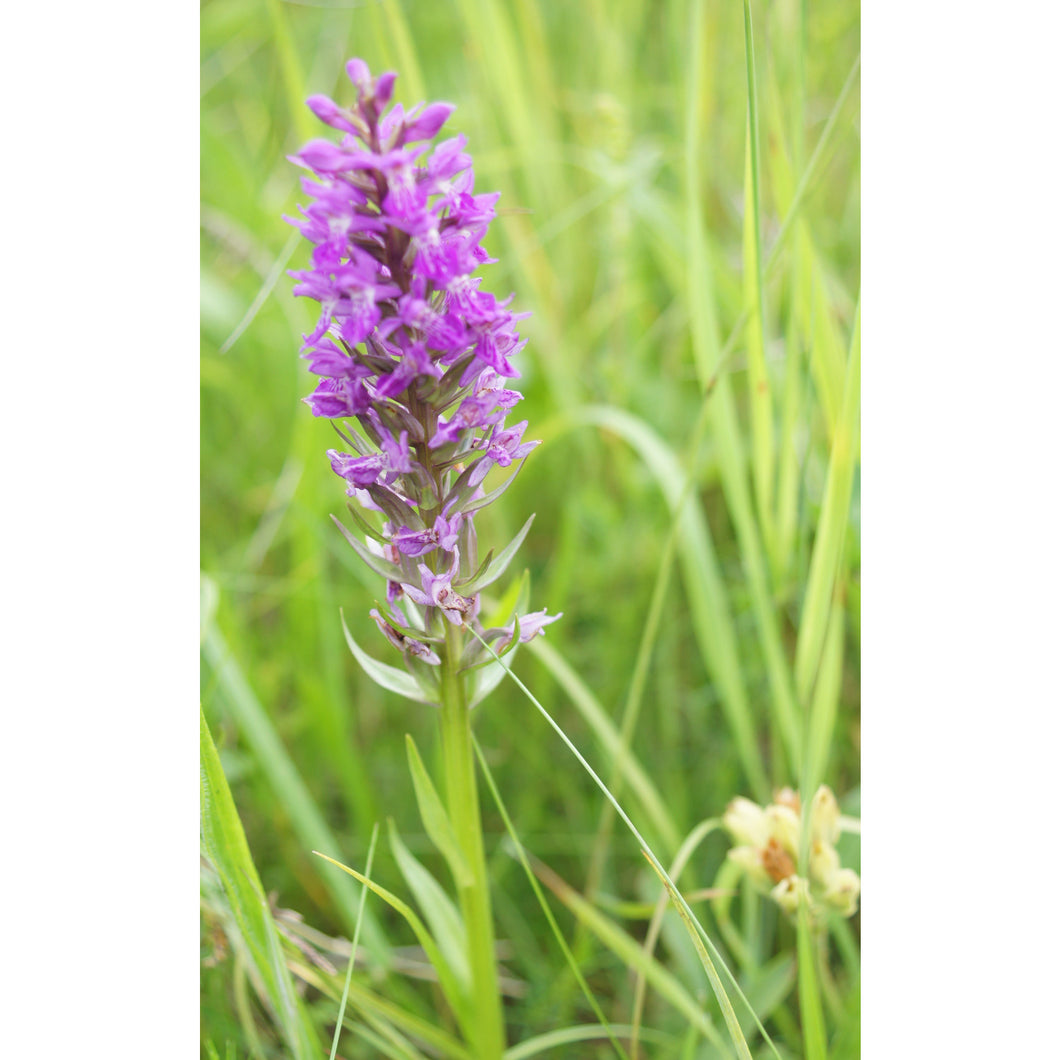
760,397
827,549
291,71
353,945
306,820
586,1032
225,844
688,848
267,286
700,293
394,42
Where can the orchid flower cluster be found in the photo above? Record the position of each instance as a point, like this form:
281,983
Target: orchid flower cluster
410,349
768,852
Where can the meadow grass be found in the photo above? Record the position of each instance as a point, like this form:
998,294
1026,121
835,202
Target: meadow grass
680,212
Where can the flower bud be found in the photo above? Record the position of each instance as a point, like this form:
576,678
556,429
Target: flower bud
789,892
824,862
784,827
746,822
824,816
843,891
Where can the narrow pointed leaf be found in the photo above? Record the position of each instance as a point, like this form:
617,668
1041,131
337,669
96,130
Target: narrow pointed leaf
384,568
388,677
435,818
437,907
499,565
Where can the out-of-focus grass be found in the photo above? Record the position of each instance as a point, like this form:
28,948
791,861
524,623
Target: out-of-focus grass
618,135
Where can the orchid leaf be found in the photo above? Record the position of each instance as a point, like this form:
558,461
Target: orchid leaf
384,568
435,818
446,926
388,677
499,565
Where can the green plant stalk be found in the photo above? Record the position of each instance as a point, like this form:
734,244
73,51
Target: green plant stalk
462,797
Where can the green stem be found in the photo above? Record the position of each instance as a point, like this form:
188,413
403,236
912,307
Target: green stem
462,797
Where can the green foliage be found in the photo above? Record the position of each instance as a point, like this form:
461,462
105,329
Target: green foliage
225,848
684,226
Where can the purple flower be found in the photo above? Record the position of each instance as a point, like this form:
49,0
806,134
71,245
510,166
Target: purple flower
408,345
436,590
504,447
442,535
529,627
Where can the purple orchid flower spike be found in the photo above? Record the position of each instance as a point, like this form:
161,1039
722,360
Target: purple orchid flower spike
410,352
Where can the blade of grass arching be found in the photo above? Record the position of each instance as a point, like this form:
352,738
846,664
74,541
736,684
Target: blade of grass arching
760,397
447,979
225,844
369,1003
535,886
386,1041
813,1031
307,821
587,705
688,848
586,1032
291,70
626,948
831,531
270,281
731,1021
707,597
353,944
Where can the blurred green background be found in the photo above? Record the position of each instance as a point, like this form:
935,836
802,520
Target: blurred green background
618,136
